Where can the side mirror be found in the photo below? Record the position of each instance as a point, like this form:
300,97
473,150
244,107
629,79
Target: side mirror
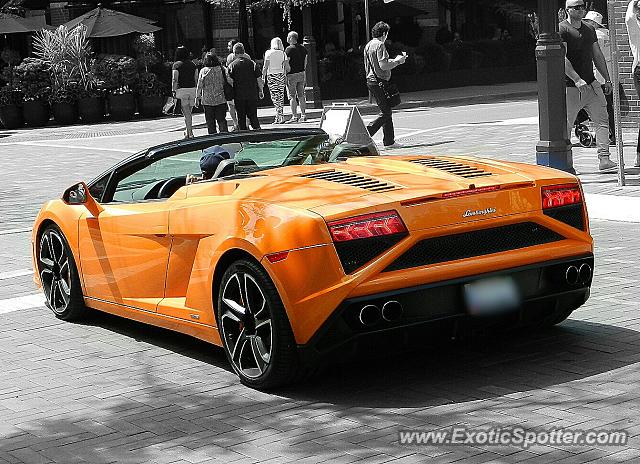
76,194
79,194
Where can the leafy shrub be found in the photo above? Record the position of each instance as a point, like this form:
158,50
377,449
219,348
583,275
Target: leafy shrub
33,76
118,73
148,85
10,95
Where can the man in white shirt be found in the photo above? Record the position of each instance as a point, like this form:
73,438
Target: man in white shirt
632,19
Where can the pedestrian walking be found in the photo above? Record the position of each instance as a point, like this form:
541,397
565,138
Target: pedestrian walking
274,71
210,93
183,83
230,104
296,77
247,86
378,66
583,90
596,20
633,28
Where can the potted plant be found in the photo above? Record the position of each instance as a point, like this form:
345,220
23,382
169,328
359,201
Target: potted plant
91,104
34,80
11,107
66,52
119,74
64,103
152,94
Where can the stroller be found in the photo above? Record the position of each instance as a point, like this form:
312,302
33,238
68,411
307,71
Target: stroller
584,130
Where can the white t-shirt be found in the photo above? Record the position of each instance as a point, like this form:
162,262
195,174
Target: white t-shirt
276,59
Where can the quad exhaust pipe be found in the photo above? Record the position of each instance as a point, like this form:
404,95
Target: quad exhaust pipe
370,314
575,275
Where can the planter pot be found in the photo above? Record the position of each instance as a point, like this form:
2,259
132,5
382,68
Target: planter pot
151,107
122,107
65,113
11,116
91,109
36,113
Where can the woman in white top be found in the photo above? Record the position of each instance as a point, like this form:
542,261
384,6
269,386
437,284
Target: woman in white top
274,73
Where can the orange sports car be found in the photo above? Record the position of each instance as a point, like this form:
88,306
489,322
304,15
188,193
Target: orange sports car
283,247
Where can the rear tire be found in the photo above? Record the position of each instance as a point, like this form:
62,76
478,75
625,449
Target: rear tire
59,276
254,327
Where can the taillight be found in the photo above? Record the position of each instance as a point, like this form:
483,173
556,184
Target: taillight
366,226
561,195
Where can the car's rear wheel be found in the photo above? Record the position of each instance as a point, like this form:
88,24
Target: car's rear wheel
254,327
59,276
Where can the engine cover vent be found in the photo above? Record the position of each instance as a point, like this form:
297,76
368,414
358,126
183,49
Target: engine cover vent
452,167
356,180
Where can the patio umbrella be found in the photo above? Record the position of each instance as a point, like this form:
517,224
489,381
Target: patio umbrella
102,22
12,24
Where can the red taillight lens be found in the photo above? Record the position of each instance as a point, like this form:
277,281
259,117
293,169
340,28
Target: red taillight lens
470,191
366,226
561,195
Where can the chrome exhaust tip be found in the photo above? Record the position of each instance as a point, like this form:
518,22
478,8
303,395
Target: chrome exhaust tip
585,273
572,275
369,315
392,311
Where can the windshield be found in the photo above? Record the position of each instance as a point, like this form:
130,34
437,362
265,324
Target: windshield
159,178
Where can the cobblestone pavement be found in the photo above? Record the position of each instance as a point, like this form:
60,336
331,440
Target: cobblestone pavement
111,390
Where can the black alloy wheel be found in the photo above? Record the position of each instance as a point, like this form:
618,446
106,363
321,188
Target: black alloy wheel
59,276
254,327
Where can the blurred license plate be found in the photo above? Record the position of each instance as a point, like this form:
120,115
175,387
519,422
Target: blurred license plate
495,295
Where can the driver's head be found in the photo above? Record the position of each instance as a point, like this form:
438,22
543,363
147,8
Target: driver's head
211,159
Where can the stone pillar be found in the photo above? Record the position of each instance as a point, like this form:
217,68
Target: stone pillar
554,148
312,90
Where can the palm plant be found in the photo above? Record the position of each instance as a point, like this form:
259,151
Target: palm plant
67,52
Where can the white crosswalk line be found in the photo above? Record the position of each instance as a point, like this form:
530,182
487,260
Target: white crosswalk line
21,302
13,274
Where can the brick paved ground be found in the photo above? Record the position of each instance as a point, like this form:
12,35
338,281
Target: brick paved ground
111,390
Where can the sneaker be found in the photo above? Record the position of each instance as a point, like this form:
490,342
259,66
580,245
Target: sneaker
393,146
607,165
303,118
293,120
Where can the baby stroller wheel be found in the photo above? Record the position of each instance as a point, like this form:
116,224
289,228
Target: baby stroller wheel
585,137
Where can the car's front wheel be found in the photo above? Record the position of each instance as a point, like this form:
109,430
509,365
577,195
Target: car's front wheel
59,276
254,327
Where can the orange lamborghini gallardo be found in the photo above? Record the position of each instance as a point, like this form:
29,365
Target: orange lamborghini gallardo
295,247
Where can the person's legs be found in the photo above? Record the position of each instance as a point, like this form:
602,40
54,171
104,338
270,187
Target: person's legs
612,121
232,113
300,85
241,110
220,115
210,118
293,101
574,102
596,106
252,113
636,82
384,119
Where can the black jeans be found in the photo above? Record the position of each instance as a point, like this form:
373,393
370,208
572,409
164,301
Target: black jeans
216,114
247,109
384,119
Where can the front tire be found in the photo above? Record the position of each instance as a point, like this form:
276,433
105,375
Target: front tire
254,327
59,276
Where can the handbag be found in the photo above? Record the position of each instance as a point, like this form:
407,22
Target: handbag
229,93
169,103
389,89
